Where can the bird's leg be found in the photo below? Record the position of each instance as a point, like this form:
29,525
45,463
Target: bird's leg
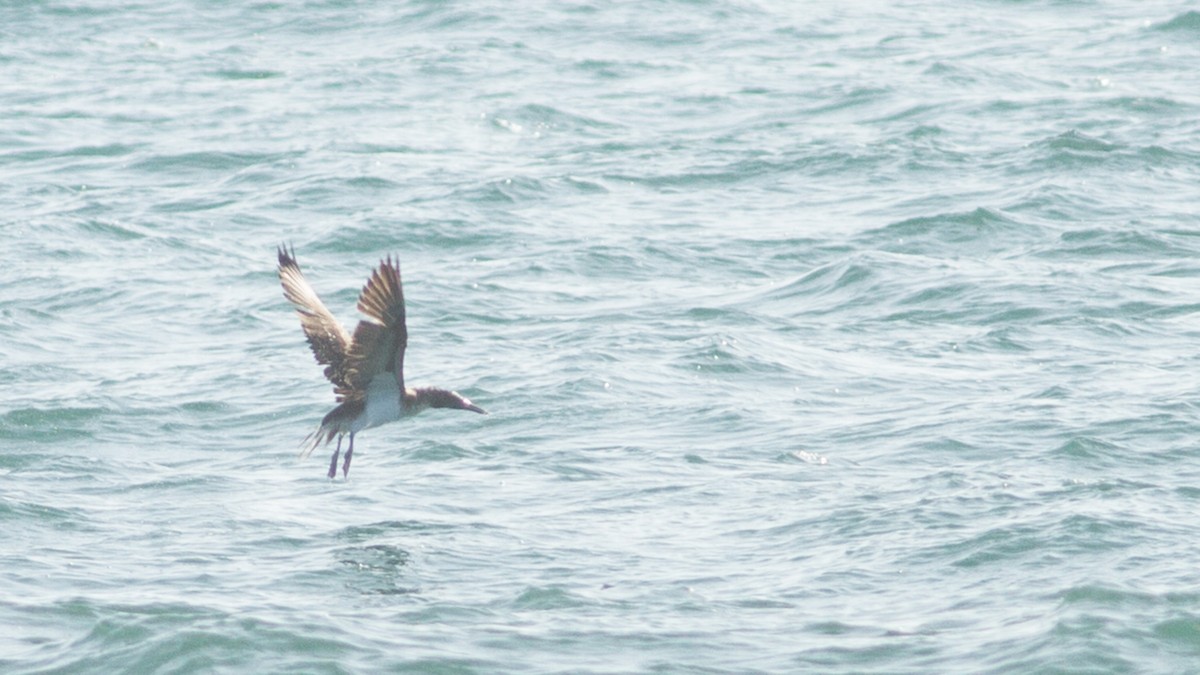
349,454
333,461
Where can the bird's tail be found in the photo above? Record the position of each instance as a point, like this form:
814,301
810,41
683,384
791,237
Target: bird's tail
333,425
321,436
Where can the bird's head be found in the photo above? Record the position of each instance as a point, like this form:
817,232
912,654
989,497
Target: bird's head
442,398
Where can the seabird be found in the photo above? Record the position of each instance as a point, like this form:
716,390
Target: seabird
367,369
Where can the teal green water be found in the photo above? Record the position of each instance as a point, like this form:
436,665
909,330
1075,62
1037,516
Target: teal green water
817,337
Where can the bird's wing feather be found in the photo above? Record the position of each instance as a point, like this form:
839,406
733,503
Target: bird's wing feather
328,339
379,340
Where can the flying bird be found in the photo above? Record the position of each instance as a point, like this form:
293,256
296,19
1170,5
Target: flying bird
366,368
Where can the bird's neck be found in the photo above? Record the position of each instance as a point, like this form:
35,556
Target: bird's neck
409,399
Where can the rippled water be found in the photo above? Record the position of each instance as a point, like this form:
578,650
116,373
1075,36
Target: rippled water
816,336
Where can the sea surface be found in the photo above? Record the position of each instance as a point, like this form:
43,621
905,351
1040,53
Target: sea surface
816,336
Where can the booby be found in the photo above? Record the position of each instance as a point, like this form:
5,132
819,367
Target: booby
366,369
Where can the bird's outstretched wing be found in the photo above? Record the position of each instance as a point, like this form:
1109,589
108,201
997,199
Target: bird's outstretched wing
329,341
380,339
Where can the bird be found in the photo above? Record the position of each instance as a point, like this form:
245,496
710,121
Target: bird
366,368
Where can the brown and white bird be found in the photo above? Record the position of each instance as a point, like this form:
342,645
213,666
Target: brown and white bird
367,369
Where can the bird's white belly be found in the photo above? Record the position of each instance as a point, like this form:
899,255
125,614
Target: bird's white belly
383,401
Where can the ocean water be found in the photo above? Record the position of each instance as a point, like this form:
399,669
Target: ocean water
816,337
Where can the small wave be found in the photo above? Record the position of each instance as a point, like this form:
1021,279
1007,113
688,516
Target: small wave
369,531
33,515
1073,150
1087,448
979,232
536,119
504,191
111,229
379,559
239,74
1112,244
1148,104
51,424
614,68
1188,22
1074,141
547,598
206,161
826,288
183,637
729,175
108,150
1069,535
1107,596
720,355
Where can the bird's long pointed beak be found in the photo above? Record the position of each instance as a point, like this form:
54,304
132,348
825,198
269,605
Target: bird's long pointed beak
474,408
